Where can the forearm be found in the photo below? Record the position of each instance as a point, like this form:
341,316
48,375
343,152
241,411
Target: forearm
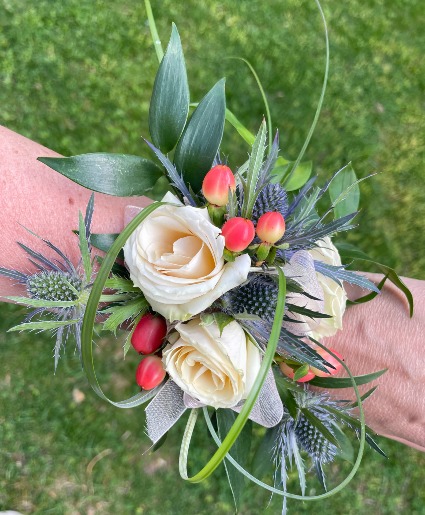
37,198
379,335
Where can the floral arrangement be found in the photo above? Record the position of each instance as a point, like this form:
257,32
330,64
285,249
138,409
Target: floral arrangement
226,287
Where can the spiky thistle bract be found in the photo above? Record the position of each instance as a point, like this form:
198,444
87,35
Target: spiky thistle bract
58,290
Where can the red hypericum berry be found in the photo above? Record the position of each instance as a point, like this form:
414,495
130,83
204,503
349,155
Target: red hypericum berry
149,334
238,233
217,183
330,359
290,372
150,372
271,227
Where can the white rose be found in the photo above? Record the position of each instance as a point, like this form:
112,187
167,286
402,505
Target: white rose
218,370
334,296
175,256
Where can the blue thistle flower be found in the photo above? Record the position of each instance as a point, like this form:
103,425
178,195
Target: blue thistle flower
58,289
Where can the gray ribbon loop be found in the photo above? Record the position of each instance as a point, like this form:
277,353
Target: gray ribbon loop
164,410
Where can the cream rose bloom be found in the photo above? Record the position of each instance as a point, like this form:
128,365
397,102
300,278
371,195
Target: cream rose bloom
217,370
175,256
334,296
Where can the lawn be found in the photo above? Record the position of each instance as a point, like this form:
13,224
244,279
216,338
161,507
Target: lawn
76,76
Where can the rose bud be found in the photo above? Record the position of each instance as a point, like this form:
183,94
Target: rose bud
271,227
290,372
217,183
238,233
149,334
330,359
150,372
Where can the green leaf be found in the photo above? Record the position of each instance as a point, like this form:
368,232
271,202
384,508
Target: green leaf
301,372
127,343
346,450
318,424
242,130
221,319
119,314
121,175
84,248
240,451
344,192
284,388
254,167
161,187
120,284
348,251
308,312
103,241
40,303
169,105
345,382
201,138
297,179
42,326
364,396
375,446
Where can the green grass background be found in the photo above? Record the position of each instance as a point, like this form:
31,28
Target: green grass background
76,76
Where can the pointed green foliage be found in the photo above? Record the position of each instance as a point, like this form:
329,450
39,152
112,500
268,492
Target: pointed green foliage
344,192
121,175
120,284
348,251
342,382
346,450
42,326
103,241
40,303
169,105
284,388
301,372
254,169
307,312
239,451
84,248
221,319
119,314
201,138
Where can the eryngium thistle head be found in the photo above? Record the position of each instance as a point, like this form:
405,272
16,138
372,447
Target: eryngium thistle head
313,442
271,198
53,286
258,297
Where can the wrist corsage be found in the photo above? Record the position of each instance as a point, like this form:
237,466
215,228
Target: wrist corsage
226,285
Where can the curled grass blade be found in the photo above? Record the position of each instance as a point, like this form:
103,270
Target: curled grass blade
91,311
321,98
329,493
241,419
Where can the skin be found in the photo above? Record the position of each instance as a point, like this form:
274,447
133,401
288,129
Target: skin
376,335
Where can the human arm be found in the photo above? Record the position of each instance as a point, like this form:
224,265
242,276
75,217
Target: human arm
33,196
380,334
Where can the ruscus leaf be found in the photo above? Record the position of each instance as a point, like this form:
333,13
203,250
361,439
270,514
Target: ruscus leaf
121,175
169,104
201,138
